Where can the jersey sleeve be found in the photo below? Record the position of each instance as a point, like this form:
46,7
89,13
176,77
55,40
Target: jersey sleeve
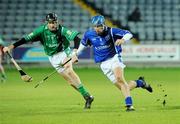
85,41
35,34
119,33
69,34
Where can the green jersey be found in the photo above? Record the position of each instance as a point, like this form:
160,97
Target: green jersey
53,42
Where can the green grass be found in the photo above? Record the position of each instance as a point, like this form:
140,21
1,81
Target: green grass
55,102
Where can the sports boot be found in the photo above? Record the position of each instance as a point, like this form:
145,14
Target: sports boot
130,108
146,85
89,100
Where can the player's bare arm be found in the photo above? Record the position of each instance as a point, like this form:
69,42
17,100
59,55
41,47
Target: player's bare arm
119,42
12,46
125,38
8,48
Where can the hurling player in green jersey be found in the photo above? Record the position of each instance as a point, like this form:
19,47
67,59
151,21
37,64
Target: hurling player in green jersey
56,39
3,75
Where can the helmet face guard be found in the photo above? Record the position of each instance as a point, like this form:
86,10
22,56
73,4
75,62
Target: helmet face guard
51,17
98,23
52,22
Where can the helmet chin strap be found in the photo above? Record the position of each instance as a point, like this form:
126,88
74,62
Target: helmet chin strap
104,27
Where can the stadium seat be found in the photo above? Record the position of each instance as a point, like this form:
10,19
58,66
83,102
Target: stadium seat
21,17
156,15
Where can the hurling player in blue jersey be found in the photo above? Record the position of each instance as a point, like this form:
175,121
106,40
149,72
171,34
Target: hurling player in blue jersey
106,43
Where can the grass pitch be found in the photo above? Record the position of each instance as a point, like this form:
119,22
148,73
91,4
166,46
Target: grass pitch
55,102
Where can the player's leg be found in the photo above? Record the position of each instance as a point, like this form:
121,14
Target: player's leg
3,75
70,76
68,79
132,85
140,83
114,71
121,82
123,86
75,82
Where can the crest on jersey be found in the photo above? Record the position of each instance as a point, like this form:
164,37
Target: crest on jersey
99,40
107,37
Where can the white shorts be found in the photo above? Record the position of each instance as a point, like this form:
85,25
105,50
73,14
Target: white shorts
57,59
109,65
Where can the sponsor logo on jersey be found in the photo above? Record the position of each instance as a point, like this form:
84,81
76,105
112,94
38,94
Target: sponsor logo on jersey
102,47
95,38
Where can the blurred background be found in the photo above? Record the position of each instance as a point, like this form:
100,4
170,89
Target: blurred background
155,25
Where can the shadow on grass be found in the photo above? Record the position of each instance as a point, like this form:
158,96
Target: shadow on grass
169,108
76,109
172,107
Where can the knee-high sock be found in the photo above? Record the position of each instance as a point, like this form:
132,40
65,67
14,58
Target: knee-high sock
83,91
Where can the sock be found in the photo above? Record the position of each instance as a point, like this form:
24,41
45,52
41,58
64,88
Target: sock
3,76
128,101
83,91
139,83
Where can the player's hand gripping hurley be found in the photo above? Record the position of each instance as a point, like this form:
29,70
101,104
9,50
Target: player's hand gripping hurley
40,82
24,76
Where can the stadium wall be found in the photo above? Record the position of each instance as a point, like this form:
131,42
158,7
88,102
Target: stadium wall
167,55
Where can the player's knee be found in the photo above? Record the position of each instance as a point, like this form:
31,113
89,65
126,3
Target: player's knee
120,80
68,69
68,66
71,72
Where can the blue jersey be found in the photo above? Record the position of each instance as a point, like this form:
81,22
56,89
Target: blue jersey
103,45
